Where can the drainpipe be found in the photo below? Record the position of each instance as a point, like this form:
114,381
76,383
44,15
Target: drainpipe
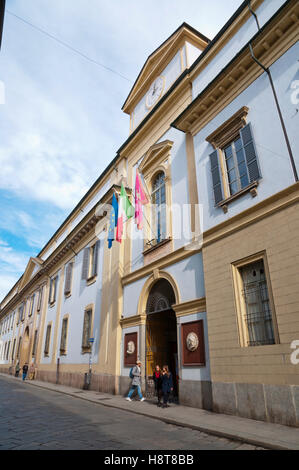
267,70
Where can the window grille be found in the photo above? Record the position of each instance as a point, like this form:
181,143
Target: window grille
258,316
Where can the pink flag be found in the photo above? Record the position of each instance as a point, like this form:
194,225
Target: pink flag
140,200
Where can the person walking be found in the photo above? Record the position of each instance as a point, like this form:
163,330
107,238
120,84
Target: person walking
167,385
157,378
136,382
31,371
25,370
17,370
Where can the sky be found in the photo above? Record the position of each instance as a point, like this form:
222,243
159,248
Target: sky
61,121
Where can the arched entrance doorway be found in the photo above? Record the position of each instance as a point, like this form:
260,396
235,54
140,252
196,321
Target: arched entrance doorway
161,334
24,357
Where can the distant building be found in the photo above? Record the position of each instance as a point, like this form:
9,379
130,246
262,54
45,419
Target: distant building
209,286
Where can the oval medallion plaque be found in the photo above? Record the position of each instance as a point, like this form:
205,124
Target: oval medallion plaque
192,341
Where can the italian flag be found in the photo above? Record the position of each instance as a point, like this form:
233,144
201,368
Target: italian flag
125,212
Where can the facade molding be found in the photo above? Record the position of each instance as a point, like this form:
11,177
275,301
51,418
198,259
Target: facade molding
190,307
271,43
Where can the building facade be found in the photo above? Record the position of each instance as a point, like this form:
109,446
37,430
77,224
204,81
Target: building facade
209,285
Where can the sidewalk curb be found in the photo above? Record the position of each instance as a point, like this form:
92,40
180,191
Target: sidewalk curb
257,442
167,420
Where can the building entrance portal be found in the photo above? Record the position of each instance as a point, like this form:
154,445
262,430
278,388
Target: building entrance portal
161,335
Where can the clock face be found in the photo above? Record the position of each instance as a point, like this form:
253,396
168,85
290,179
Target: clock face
155,92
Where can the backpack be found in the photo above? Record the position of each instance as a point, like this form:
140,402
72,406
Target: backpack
131,373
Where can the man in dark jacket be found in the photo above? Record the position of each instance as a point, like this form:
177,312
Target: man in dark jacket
25,370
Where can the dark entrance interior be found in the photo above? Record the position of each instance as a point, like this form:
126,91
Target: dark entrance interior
161,334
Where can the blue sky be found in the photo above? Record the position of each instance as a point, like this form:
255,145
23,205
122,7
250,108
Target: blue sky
61,123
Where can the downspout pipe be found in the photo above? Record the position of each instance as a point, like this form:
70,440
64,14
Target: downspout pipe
267,70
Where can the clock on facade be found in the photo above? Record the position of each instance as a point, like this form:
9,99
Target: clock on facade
155,91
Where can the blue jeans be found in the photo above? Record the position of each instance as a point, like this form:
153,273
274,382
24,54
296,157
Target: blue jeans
132,390
24,375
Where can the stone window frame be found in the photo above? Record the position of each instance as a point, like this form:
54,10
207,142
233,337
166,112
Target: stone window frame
240,303
156,160
221,138
69,277
53,292
35,343
90,267
48,340
84,348
63,347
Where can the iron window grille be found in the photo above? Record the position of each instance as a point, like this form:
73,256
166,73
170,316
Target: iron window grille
258,315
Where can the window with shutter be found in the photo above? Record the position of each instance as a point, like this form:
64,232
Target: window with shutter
34,344
86,329
22,312
13,350
7,353
19,347
250,153
53,289
68,279
216,177
47,342
94,263
85,264
40,296
63,336
234,163
159,216
31,305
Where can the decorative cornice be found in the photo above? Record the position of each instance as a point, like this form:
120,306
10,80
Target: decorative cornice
67,246
229,129
278,35
190,307
134,320
154,155
159,59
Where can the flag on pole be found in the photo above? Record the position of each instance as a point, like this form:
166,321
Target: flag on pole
140,200
125,212
113,220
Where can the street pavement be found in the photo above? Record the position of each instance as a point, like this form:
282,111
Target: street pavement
36,418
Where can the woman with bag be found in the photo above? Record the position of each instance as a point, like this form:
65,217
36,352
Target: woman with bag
167,385
157,378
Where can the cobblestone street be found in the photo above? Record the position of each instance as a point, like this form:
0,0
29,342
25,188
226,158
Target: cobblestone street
33,418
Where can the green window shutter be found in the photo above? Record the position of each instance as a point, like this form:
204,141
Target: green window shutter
85,264
250,153
216,177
